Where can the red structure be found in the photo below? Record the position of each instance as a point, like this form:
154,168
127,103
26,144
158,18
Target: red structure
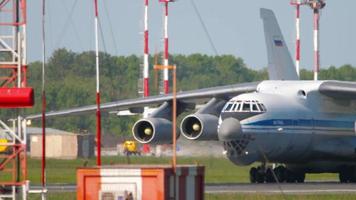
98,111
166,52
16,97
316,5
14,93
297,4
146,89
141,182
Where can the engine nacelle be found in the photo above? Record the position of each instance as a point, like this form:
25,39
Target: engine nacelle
200,127
153,131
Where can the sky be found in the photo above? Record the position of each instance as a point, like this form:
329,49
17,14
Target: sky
234,26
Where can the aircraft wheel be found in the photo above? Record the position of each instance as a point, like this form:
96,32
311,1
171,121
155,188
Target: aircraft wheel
353,175
346,175
290,176
343,177
269,176
280,173
300,177
260,175
253,175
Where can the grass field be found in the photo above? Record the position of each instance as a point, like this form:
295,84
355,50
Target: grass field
218,170
279,197
72,196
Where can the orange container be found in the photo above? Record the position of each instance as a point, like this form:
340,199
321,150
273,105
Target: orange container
141,182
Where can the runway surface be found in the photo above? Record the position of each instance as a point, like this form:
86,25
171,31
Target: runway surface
286,188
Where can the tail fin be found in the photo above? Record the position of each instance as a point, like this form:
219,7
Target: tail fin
280,63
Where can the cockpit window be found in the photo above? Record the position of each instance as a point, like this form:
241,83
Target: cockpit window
255,108
263,108
238,106
233,107
244,106
228,106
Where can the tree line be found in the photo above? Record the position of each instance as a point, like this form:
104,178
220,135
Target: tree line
70,82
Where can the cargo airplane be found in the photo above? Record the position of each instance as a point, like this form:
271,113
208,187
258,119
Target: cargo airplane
300,126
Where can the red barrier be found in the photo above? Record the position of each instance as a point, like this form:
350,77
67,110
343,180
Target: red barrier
141,182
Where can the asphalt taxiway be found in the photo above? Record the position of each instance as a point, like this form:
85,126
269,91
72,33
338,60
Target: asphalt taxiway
286,188
271,188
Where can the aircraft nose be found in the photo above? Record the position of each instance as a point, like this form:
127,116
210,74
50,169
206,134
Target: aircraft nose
229,129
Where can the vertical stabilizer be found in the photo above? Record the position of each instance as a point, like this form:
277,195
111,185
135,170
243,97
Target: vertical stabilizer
280,63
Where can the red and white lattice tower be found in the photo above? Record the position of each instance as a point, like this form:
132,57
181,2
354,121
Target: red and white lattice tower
166,52
14,94
297,4
316,5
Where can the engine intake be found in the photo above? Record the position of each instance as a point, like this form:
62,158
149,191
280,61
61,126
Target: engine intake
153,131
200,127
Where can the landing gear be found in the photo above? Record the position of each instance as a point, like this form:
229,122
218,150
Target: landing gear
260,176
300,178
253,175
292,177
270,177
347,175
263,174
257,175
280,173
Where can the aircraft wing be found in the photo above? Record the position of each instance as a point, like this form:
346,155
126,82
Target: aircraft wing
193,96
338,89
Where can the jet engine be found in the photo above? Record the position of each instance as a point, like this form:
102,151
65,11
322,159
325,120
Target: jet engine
157,128
153,130
203,124
200,126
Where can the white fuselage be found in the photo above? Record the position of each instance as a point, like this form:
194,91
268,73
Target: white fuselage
291,122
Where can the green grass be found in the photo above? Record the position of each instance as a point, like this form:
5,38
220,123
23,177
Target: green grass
218,170
72,196
279,197
55,196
